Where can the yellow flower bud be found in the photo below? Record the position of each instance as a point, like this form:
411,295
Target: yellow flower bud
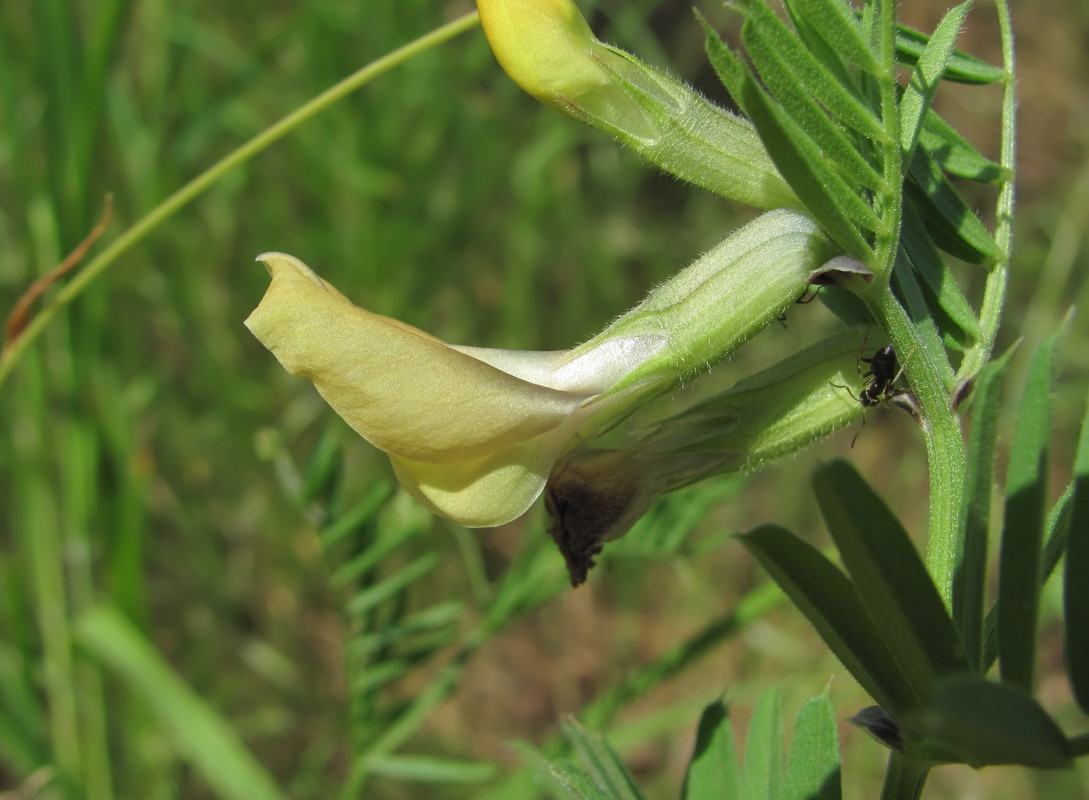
544,45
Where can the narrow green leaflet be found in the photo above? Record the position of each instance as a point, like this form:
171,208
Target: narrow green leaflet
564,780
1076,585
357,516
1056,533
713,770
956,155
915,299
970,579
962,68
369,598
200,735
322,471
890,577
823,192
443,618
937,277
813,771
955,227
829,601
1019,577
780,77
600,761
844,105
812,35
427,769
764,749
836,25
987,723
928,72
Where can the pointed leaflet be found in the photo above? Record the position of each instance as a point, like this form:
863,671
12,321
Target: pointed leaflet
844,105
1019,577
601,762
920,91
1076,585
828,600
970,578
813,771
956,155
910,291
953,225
825,195
563,778
780,78
986,723
1056,533
833,21
713,770
962,68
931,267
812,34
763,768
892,582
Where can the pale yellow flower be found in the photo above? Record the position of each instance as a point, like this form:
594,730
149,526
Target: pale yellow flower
473,432
472,440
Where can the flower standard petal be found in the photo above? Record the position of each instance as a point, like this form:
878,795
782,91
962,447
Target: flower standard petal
473,442
401,389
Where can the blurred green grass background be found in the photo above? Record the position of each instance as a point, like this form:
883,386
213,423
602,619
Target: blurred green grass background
156,458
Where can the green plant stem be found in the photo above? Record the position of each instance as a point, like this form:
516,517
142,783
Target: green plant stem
208,178
945,451
994,292
944,443
904,779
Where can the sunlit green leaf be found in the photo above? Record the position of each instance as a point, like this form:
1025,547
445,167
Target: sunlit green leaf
763,767
938,278
846,106
954,226
833,21
962,68
713,770
928,72
813,771
824,193
780,77
956,155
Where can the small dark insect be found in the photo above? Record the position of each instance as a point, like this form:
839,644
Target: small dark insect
884,374
885,371
804,299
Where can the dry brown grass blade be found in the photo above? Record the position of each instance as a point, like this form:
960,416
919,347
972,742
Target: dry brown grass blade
20,314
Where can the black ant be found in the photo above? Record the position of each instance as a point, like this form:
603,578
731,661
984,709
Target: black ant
884,373
804,299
